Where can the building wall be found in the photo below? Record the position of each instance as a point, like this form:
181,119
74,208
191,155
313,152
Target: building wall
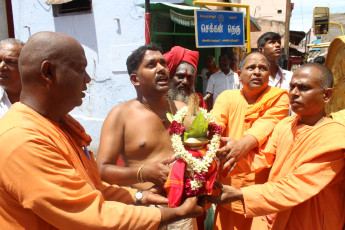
266,9
268,25
3,20
265,13
109,34
267,16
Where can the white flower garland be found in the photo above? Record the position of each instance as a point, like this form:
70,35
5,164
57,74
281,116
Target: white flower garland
197,165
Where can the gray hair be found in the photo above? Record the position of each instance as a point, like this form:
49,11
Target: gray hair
13,41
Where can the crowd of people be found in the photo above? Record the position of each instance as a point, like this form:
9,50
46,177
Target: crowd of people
278,170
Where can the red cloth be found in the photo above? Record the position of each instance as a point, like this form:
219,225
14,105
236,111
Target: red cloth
120,162
178,54
202,103
175,184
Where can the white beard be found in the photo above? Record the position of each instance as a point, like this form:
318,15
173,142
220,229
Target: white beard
177,95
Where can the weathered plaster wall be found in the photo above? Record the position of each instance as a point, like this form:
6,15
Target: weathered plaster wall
109,34
3,20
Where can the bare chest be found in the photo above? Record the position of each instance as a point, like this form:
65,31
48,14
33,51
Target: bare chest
146,140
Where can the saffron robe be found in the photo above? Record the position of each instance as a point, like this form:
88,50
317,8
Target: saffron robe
306,185
47,180
239,119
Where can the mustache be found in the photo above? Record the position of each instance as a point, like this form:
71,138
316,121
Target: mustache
159,75
181,86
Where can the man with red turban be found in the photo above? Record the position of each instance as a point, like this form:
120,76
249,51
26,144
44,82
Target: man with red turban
182,65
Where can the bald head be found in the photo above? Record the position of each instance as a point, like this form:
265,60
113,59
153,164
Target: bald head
53,70
42,46
310,90
325,74
243,61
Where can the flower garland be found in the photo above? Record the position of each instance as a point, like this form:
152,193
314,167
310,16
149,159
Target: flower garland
198,166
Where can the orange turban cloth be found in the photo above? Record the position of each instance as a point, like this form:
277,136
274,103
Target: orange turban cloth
178,54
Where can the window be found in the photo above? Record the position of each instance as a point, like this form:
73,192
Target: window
72,7
280,11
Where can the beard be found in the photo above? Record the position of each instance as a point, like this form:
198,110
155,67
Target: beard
177,94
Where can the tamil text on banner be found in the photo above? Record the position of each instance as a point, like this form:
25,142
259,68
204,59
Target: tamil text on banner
219,28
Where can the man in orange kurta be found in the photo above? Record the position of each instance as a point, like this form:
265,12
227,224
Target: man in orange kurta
306,184
247,116
48,178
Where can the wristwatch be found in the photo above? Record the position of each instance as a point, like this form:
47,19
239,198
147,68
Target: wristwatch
138,197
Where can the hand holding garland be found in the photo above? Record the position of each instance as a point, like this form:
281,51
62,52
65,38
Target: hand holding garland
156,172
235,149
153,196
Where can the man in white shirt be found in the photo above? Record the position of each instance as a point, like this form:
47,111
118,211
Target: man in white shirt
270,44
9,74
222,80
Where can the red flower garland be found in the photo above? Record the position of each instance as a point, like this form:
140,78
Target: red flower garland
189,192
213,128
176,128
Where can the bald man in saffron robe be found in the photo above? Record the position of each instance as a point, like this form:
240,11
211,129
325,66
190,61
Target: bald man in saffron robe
306,185
49,179
248,117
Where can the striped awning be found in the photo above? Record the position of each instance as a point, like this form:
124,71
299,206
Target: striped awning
57,2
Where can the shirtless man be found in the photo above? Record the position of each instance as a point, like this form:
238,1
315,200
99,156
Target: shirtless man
137,130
